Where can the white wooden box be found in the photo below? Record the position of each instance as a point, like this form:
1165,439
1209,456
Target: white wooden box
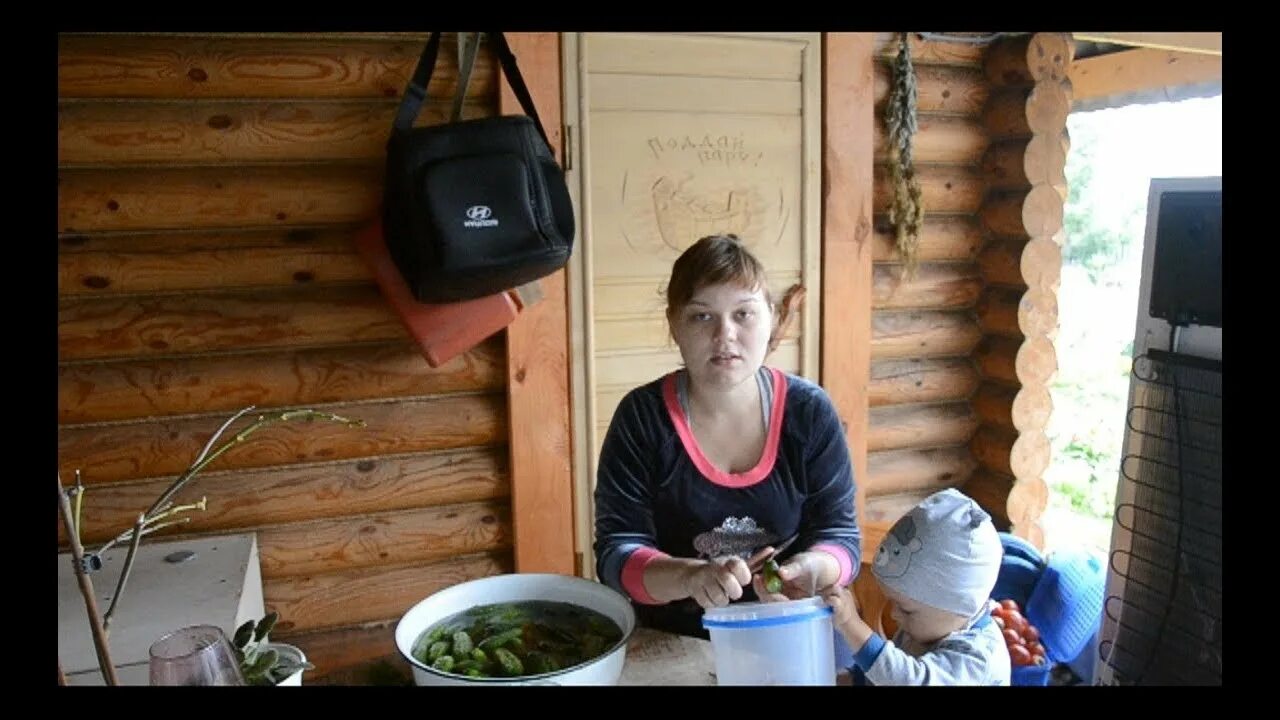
221,585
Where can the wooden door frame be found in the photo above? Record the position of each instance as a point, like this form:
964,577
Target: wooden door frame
538,399
848,160
538,342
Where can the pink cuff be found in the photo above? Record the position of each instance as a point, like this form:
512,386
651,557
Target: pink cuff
633,574
842,556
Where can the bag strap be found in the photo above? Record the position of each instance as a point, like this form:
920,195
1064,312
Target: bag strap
508,61
416,92
466,63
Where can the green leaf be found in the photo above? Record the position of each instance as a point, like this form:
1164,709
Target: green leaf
266,625
243,634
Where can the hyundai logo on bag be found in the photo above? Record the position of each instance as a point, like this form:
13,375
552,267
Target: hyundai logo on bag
479,216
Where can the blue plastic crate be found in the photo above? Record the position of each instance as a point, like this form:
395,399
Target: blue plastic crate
1060,595
1031,675
1066,604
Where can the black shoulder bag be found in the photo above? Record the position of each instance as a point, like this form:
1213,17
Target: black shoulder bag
475,207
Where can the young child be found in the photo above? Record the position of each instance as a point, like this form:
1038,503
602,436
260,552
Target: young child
938,565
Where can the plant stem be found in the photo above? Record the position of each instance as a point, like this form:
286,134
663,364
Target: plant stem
160,509
263,420
124,573
79,498
86,590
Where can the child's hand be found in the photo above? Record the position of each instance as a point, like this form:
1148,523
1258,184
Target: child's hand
841,602
845,616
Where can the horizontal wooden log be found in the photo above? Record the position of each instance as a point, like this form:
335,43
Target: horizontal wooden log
896,427
349,597
1043,212
1030,455
997,311
107,328
1026,59
1045,161
919,334
991,491
1005,115
1021,112
1018,262
1008,408
114,133
1041,264
1028,499
930,52
243,66
218,196
943,238
146,449
1003,165
881,512
1032,532
898,471
1048,106
991,446
1019,163
993,404
97,392
943,188
939,139
1038,313
418,537
1037,213
190,242
181,262
340,653
934,285
940,89
243,499
1036,361
1000,261
899,382
996,358
1032,408
1001,215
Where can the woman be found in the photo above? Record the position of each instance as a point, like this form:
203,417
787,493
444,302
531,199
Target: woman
704,471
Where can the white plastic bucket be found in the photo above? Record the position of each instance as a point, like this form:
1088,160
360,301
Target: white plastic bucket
782,643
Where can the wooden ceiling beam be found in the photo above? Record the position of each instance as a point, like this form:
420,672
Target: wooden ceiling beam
1207,43
1140,69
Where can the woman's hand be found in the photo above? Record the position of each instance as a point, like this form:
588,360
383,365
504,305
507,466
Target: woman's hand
717,582
801,577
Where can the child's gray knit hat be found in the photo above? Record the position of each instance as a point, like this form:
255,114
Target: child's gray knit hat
944,553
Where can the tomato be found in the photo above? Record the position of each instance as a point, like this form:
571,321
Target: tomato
1030,633
1012,638
1019,655
1035,648
998,620
1014,620
1009,604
